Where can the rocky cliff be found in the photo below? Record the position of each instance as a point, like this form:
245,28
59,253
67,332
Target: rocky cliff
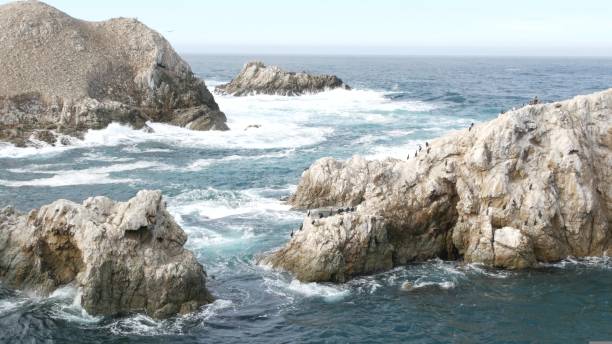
257,78
59,74
533,185
123,256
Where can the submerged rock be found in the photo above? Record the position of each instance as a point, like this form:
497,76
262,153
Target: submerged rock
257,78
64,75
534,185
123,256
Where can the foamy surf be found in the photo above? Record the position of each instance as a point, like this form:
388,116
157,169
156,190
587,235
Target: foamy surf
215,204
294,288
142,325
87,176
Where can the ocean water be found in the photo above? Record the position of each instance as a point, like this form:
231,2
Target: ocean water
224,188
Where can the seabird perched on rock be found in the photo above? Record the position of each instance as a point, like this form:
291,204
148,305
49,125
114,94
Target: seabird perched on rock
428,149
408,157
426,144
301,227
291,234
320,215
420,147
308,212
313,222
415,154
471,126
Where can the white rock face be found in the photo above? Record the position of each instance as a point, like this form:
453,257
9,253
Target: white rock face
534,185
123,256
257,78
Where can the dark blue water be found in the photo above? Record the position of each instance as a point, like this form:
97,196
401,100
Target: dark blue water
224,189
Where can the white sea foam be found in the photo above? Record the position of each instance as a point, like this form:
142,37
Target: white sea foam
328,292
92,175
142,325
429,284
214,204
285,122
67,306
604,262
367,105
200,164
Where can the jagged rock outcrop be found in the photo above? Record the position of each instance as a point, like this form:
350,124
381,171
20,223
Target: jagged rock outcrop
64,75
123,256
533,185
257,78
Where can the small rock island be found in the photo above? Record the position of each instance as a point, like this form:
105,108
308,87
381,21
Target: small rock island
533,185
257,78
122,256
61,75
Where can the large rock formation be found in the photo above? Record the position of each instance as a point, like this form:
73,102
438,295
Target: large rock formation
534,185
257,78
64,75
124,256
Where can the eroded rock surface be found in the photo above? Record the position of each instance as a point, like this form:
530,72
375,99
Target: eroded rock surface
257,78
123,256
534,185
64,75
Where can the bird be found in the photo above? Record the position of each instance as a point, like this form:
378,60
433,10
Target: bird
408,157
420,147
426,144
313,222
530,186
471,126
308,212
428,149
301,227
291,234
320,215
415,154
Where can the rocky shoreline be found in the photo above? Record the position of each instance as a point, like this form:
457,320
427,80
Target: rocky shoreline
257,78
533,185
64,76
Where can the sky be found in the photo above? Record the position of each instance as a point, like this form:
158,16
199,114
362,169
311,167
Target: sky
382,27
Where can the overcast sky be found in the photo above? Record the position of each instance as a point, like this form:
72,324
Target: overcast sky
438,27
